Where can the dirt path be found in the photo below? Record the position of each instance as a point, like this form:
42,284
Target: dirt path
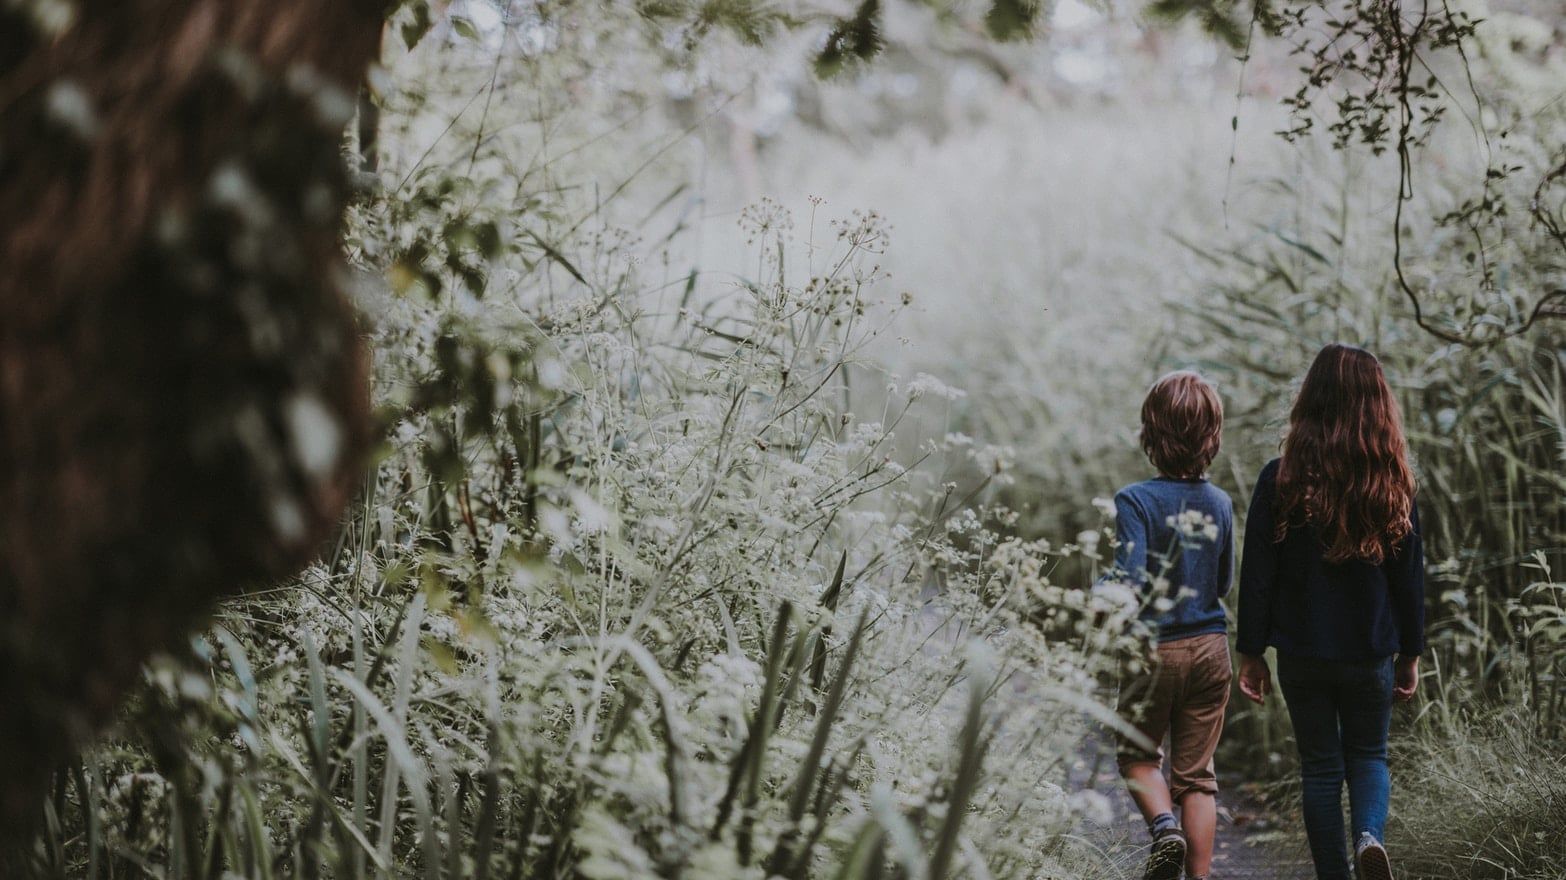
1254,842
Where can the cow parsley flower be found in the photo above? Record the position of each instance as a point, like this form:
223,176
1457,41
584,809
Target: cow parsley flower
924,384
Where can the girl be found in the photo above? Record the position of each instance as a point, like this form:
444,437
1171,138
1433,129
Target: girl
1333,578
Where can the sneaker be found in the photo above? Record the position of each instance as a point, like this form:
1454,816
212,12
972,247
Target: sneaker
1167,859
1370,859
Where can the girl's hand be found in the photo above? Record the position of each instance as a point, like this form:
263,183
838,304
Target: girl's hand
1405,678
1255,677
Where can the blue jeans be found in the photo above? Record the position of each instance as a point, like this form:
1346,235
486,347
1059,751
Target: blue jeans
1341,711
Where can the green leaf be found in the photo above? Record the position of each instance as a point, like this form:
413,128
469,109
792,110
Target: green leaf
853,39
1012,19
487,237
662,10
414,29
1215,16
464,28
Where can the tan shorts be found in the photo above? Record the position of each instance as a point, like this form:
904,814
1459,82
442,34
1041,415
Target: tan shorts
1182,698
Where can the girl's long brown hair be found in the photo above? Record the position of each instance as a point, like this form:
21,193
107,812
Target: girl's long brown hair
1345,460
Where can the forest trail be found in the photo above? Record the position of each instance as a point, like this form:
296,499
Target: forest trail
1254,842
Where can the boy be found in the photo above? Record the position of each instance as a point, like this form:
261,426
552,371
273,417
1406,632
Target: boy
1176,547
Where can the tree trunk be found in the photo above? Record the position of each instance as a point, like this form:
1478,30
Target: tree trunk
182,385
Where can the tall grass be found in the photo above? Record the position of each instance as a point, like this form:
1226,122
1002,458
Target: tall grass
1042,247
1109,256
1484,425
1476,757
663,572
639,587
1485,800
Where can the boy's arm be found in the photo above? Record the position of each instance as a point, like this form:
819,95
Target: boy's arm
1131,535
1258,571
1406,580
1226,555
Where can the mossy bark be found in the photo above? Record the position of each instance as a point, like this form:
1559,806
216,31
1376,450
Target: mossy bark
183,400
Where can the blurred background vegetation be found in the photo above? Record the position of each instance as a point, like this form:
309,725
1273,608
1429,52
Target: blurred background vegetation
725,403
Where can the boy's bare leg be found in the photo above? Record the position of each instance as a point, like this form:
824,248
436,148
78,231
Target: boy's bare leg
1199,818
1148,789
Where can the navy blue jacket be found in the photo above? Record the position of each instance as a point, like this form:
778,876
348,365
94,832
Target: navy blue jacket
1195,555
1294,600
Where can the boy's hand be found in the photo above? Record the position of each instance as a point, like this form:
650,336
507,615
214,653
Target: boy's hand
1405,678
1255,677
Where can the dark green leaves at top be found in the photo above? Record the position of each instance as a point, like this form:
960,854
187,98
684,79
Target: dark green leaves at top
751,21
474,235
853,39
662,10
414,29
1217,17
1012,19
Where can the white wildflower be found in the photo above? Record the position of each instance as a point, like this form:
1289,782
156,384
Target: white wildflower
1116,595
1193,524
925,384
591,517
610,849
1092,806
993,459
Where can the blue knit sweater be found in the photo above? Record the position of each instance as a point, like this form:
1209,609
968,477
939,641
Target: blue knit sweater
1177,535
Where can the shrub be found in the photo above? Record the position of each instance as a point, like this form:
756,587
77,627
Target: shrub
633,593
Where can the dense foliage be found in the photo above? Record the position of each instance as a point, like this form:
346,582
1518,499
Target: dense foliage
662,570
